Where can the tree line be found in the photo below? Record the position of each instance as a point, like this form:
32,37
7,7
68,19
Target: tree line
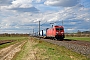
79,34
14,35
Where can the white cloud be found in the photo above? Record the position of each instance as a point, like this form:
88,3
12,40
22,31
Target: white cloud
21,6
63,3
18,16
24,21
71,29
22,3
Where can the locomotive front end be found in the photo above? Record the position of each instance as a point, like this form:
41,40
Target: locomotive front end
59,33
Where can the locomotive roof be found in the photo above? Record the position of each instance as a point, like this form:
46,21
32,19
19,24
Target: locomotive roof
58,26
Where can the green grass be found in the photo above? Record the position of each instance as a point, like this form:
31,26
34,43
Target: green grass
22,53
79,38
18,39
54,52
5,45
48,51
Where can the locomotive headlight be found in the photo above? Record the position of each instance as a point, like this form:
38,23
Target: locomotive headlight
62,32
56,32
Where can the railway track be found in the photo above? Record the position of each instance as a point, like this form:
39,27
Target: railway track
81,47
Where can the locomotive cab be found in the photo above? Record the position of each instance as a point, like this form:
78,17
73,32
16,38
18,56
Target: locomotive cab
59,32
56,32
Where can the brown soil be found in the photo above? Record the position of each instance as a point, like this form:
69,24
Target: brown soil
6,41
8,52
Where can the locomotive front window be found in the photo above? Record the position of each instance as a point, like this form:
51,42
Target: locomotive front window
59,28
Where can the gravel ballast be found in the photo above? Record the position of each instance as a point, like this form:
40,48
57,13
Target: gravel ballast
81,47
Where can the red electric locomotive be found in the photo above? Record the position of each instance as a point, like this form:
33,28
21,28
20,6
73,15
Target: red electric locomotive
55,32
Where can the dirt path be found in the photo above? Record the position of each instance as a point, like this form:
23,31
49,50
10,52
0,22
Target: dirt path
29,52
8,52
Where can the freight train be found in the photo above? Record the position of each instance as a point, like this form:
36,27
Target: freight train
56,32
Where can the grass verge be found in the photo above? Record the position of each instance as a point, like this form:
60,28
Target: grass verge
79,38
48,51
27,52
20,55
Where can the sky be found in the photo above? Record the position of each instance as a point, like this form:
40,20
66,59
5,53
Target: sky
22,16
